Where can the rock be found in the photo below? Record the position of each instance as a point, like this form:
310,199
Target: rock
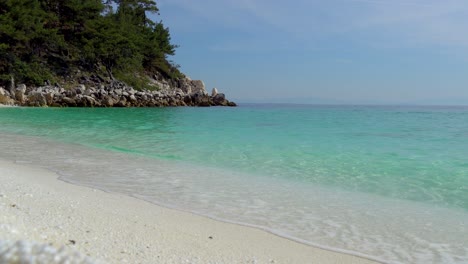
198,87
69,101
108,101
200,99
122,102
80,89
89,91
219,99
57,100
36,99
88,101
70,93
21,87
6,100
49,97
101,93
188,99
179,91
20,94
189,86
204,103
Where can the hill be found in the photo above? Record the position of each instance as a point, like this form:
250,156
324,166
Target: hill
89,44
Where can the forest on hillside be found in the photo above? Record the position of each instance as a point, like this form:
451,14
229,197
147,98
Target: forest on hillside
50,40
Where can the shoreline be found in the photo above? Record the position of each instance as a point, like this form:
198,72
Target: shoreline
115,94
122,229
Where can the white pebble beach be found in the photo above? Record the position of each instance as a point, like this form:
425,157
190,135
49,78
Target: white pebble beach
113,228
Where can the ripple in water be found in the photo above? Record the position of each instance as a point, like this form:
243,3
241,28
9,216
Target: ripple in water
386,229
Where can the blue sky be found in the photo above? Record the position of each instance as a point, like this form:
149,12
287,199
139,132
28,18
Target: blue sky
327,51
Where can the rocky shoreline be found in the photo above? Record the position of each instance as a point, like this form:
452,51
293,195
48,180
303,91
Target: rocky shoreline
184,92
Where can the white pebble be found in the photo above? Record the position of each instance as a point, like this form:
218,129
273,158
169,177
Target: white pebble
28,252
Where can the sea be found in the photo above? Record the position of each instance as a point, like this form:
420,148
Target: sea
388,183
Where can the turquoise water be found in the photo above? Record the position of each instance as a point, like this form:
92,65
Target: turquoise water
397,172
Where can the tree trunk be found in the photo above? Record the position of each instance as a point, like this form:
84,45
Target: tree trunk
109,72
12,87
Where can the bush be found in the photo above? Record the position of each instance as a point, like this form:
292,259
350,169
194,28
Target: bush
137,81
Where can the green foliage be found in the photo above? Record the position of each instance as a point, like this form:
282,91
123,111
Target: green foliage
45,39
136,80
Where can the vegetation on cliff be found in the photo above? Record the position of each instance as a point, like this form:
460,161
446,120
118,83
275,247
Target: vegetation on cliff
51,40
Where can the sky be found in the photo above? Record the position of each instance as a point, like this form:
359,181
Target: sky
324,51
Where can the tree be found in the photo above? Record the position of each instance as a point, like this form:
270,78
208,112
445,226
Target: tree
24,42
112,48
44,39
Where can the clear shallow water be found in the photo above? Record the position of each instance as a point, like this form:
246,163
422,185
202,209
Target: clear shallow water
385,182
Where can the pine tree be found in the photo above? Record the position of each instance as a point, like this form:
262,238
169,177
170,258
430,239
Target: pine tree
45,39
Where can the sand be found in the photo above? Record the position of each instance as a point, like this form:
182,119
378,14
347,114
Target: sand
113,228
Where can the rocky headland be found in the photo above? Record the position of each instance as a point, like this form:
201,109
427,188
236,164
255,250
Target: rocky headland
96,92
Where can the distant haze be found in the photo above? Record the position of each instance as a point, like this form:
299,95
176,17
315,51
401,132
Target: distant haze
343,51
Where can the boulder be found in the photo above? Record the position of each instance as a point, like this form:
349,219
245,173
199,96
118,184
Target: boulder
118,91
57,101
6,100
179,93
189,86
36,99
204,103
89,101
20,94
214,92
89,91
122,102
70,93
80,89
69,101
108,101
49,97
102,92
200,99
220,99
198,87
